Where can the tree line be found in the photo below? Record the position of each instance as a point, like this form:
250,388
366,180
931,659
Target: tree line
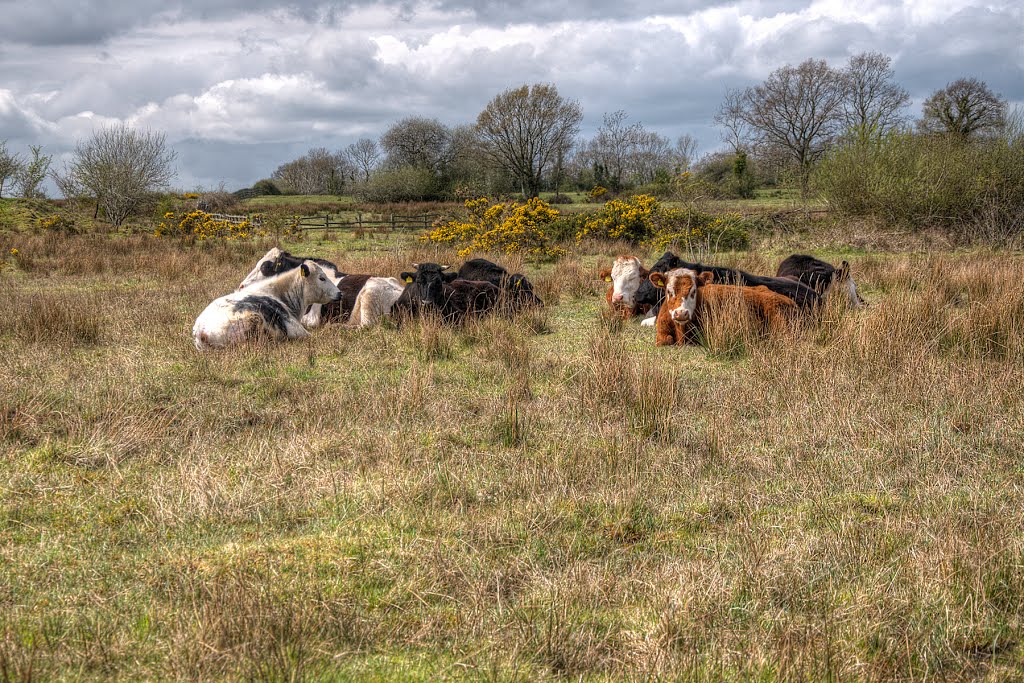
526,140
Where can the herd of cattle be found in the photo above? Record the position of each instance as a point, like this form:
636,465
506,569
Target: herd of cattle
285,296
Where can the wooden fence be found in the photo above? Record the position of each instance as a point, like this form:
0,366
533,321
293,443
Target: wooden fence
361,225
235,220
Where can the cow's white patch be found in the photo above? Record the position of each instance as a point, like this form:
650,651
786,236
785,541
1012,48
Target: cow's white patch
625,280
375,300
648,322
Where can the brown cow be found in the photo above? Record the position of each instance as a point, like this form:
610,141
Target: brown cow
625,276
689,298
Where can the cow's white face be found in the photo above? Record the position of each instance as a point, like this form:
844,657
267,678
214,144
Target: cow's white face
319,289
626,278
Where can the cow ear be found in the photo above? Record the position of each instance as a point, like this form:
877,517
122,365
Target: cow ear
605,275
448,277
705,278
305,270
406,277
657,279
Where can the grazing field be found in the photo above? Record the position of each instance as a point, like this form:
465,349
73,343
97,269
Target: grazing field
539,498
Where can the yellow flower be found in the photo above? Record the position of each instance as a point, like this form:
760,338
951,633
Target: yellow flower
14,251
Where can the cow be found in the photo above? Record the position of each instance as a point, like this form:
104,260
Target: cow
821,276
625,276
516,289
375,301
432,290
271,308
650,296
277,261
690,297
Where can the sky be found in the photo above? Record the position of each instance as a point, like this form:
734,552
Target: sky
239,88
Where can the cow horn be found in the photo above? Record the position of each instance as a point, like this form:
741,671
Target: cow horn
416,266
445,267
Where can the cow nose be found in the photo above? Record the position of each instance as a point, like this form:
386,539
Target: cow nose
681,316
616,297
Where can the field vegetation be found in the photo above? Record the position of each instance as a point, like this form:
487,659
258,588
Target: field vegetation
543,497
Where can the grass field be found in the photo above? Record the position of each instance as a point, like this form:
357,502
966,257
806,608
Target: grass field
541,498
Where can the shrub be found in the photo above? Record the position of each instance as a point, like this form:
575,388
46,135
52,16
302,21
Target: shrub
202,226
266,187
508,227
918,180
57,222
405,184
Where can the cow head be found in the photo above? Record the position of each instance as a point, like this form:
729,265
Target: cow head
317,287
521,290
626,274
681,287
427,283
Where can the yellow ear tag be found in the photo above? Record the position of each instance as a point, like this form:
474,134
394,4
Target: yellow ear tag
608,279
408,279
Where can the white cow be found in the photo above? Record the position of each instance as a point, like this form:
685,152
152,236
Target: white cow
375,300
271,307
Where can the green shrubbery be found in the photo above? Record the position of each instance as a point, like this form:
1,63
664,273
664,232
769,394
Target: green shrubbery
930,180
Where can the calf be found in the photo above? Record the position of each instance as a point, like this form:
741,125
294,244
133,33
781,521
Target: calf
270,308
375,300
821,276
516,290
649,295
690,298
625,276
431,289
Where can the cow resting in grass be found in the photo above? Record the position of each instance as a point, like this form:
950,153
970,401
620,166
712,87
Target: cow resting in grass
821,276
690,299
375,301
517,291
625,276
271,309
432,289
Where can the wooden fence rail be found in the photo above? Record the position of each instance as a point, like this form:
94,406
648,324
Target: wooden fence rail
360,225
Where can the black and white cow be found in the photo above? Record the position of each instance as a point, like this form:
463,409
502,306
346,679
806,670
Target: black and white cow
516,289
821,276
271,308
277,261
434,289
649,295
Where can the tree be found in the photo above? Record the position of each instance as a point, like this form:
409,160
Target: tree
10,166
316,172
797,110
363,155
421,143
119,166
685,152
525,130
32,173
874,103
964,108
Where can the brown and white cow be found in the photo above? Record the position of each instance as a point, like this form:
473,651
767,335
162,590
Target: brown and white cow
690,297
625,276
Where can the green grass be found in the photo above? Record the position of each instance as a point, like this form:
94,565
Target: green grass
537,498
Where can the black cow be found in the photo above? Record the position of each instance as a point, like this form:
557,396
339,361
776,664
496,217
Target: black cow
820,276
517,290
804,297
431,289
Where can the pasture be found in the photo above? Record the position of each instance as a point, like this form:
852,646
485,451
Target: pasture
544,497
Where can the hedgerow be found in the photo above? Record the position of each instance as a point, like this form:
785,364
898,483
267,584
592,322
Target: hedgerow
200,225
509,227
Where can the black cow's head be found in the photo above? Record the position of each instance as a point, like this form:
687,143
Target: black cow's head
426,284
521,291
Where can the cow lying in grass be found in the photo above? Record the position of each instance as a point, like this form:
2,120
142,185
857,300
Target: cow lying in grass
432,289
690,300
517,292
271,308
821,276
375,301
625,278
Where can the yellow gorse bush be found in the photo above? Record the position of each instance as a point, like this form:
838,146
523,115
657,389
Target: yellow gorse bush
56,221
509,227
200,225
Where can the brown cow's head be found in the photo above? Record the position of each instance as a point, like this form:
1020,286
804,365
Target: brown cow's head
681,290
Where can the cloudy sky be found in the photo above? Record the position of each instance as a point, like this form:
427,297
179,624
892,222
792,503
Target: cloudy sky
241,87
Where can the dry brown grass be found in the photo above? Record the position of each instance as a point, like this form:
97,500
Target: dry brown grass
544,496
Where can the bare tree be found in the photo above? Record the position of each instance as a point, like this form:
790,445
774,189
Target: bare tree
421,143
735,129
874,103
10,165
32,173
119,166
965,107
797,110
364,155
685,152
317,172
528,129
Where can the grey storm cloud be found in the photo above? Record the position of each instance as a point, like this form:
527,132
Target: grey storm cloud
241,87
